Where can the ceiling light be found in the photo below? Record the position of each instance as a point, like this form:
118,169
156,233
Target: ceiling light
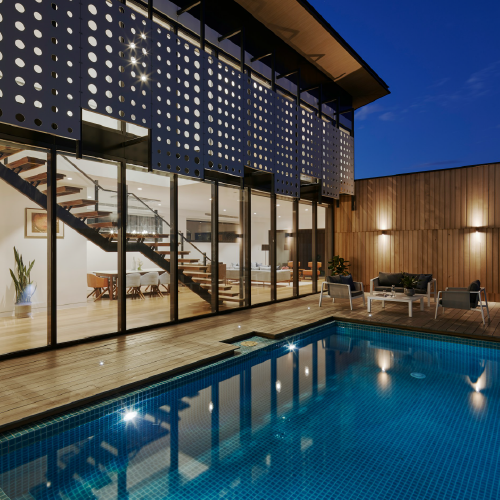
159,204
70,178
88,197
129,415
292,347
139,189
132,45
278,205
224,210
279,216
307,209
143,35
143,78
133,60
255,213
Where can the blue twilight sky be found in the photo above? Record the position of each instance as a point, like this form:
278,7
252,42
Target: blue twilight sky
441,60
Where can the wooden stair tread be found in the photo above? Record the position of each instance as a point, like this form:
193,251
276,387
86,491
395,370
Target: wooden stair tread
41,178
65,190
205,280
148,236
159,244
190,267
228,294
179,252
196,274
185,261
7,151
209,287
230,299
76,203
26,163
92,214
103,224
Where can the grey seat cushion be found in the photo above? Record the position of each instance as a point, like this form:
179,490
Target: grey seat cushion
357,293
389,279
475,286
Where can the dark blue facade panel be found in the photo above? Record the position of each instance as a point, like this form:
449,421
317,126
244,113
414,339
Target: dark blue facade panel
177,134
287,149
330,159
260,126
310,140
224,117
116,61
40,65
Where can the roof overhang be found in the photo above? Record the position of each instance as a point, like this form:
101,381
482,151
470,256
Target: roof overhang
298,24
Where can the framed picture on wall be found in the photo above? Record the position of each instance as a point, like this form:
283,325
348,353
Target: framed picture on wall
35,224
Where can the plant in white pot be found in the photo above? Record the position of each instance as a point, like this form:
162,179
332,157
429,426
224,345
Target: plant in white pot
25,288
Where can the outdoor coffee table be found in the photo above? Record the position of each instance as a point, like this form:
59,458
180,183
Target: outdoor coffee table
400,297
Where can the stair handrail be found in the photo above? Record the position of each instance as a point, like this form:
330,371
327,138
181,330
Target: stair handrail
205,256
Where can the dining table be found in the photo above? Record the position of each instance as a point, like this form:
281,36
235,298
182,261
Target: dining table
112,276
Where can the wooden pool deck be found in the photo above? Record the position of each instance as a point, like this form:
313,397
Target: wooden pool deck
44,384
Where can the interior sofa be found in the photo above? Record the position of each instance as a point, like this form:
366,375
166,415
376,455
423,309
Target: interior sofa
260,274
426,285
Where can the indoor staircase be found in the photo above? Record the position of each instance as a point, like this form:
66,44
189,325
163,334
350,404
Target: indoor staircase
192,273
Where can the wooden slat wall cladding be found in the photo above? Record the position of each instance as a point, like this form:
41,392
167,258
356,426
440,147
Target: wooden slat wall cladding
430,219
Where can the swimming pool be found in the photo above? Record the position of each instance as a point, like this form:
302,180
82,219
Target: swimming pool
339,412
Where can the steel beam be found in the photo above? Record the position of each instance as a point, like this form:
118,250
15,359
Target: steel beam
258,58
188,8
230,35
287,74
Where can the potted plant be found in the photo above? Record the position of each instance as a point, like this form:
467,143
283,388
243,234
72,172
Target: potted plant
339,266
24,286
409,283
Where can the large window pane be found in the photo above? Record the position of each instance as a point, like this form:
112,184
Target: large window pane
284,247
195,208
231,247
86,254
148,225
260,273
305,248
323,258
23,312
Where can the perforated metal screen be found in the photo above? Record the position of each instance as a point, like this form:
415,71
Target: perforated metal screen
310,144
59,56
287,178
330,160
260,136
40,64
224,117
177,105
346,163
116,61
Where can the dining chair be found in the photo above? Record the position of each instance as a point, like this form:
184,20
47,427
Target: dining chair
164,281
150,281
100,286
133,285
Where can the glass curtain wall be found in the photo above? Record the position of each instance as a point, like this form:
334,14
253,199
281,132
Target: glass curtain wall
23,306
195,247
260,269
231,248
284,247
305,248
148,230
87,257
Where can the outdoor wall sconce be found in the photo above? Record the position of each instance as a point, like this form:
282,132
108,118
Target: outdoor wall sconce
384,233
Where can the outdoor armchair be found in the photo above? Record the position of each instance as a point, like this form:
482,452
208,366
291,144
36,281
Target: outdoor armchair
464,298
342,291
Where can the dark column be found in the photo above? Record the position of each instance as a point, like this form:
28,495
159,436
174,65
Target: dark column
247,243
52,247
273,72
352,123
215,247
295,247
329,236
272,247
337,113
96,194
242,50
241,242
174,248
122,246
314,247
202,25
298,88
150,9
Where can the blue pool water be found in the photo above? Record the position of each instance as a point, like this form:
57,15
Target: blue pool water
350,413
